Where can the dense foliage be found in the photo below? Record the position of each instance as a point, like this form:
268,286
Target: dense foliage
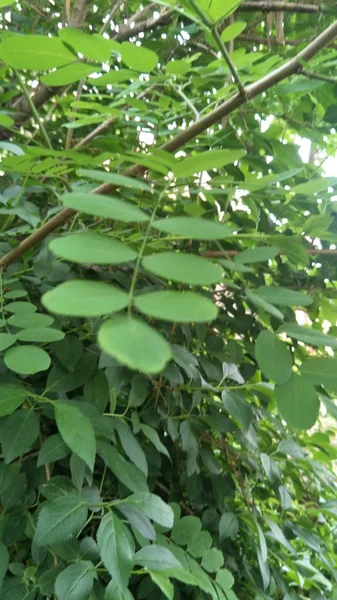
168,300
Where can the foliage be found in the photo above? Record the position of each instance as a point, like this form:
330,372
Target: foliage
168,318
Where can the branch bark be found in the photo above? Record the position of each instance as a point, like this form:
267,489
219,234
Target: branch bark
295,65
267,6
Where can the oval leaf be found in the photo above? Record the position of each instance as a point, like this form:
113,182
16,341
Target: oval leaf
256,255
77,432
60,519
36,52
320,371
297,402
125,338
205,161
75,582
185,268
78,298
116,550
273,357
92,248
138,58
193,228
40,334
27,360
181,307
308,336
104,206
11,397
116,179
283,297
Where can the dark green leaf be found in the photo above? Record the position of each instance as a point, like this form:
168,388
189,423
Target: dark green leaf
116,549
60,519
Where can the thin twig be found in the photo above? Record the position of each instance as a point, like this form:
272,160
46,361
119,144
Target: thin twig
111,15
34,111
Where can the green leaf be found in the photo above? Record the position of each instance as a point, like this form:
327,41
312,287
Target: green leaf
96,391
113,592
193,228
154,507
273,357
60,519
224,579
80,298
116,548
94,47
40,334
19,434
104,206
116,179
128,474
21,307
68,351
177,67
52,450
75,582
154,438
232,266
297,402
138,520
163,583
33,320
125,338
91,248
186,530
200,545
156,558
283,297
11,397
233,30
264,305
4,560
138,57
67,74
181,307
319,371
205,161
212,560
185,268
256,255
228,525
217,10
308,336
34,52
131,446
77,432
27,360
238,408
7,340
4,3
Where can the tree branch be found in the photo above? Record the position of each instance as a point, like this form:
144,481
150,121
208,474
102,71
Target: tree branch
266,6
291,67
227,253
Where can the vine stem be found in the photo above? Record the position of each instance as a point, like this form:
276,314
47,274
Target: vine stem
33,110
213,29
141,252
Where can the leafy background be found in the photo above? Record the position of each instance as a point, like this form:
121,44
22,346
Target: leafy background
167,370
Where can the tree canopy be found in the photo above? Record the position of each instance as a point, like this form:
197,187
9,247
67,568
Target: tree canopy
168,300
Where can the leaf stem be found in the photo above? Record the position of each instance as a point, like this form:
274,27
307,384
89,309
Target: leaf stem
33,110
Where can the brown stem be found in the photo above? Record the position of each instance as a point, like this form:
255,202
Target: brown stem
267,6
291,67
227,253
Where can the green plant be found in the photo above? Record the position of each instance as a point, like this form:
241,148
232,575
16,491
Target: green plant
166,424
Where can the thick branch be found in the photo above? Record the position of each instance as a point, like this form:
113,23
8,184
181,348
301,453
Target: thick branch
266,6
255,89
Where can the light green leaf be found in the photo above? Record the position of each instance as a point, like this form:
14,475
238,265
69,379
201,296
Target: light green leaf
206,161
217,10
27,360
75,582
116,548
11,397
138,57
313,186
177,67
127,473
21,307
7,340
104,206
255,255
187,268
297,402
233,30
308,336
19,434
154,507
212,560
33,320
156,558
60,519
77,432
52,450
186,530
4,3
193,228
116,179
181,307
67,74
40,334
94,47
264,305
319,371
228,525
224,579
34,52
125,338
79,298
92,248
283,297
163,583
273,357
200,545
